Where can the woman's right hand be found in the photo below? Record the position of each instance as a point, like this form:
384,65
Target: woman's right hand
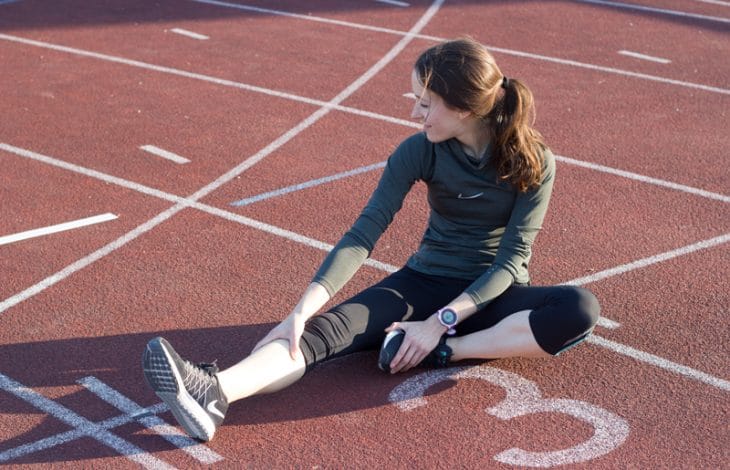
290,329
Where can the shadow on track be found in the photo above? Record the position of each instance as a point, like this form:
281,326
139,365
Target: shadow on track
53,369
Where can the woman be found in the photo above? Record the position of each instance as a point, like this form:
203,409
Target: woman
464,294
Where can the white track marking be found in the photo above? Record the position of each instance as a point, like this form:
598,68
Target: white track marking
233,217
81,424
681,14
190,34
644,262
715,2
228,176
502,50
68,436
165,154
637,55
220,81
644,179
523,397
308,184
5,305
394,3
659,362
153,422
39,232
206,78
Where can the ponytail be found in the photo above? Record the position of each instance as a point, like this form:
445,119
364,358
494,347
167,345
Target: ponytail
518,147
465,75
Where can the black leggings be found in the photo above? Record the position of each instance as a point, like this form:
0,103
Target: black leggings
561,316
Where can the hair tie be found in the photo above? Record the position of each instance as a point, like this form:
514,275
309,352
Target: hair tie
505,82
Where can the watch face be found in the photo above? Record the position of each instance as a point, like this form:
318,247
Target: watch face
448,316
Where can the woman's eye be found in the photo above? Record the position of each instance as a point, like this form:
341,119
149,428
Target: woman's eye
424,105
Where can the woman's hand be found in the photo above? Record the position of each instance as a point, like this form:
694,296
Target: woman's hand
290,329
420,339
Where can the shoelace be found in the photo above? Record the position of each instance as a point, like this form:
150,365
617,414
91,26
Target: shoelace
199,378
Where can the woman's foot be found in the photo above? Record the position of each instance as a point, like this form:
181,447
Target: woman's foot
438,358
191,391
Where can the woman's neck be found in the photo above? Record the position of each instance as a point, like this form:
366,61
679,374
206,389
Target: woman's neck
476,138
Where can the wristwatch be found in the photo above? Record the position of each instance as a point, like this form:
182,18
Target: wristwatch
448,318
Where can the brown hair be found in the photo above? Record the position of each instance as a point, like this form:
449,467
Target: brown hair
465,75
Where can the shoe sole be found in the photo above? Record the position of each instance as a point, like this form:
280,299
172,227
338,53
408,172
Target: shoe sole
165,379
390,347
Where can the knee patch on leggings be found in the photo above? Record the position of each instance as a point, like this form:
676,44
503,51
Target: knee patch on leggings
567,319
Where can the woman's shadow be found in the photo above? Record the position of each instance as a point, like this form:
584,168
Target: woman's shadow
334,387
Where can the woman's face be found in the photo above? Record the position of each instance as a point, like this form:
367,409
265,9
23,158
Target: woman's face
440,122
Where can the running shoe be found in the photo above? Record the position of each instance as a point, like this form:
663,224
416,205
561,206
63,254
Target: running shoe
191,391
438,358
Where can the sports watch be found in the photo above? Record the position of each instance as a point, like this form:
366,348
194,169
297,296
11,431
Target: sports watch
448,318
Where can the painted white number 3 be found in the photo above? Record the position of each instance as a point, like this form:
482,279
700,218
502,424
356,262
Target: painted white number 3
523,398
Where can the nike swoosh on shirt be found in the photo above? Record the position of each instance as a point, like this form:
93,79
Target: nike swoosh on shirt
212,409
473,196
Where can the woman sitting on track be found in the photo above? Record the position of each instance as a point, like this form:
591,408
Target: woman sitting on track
464,294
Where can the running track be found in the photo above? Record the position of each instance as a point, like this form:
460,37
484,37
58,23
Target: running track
181,169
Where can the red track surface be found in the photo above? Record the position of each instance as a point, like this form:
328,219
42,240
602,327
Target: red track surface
652,393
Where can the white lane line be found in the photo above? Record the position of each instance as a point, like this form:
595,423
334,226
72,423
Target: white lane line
165,154
410,95
644,179
630,6
502,50
603,321
642,263
68,436
637,55
715,2
153,422
243,166
659,362
190,34
394,3
81,424
205,78
39,232
233,217
308,184
648,261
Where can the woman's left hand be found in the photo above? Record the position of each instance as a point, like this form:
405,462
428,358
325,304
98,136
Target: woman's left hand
420,339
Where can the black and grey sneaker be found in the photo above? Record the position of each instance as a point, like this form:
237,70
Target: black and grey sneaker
191,391
438,358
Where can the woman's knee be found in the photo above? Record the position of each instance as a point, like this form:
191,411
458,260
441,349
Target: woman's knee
584,306
567,320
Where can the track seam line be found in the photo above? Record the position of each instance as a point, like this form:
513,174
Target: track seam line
233,217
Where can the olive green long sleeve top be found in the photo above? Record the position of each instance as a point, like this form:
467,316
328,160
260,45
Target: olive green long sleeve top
480,228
